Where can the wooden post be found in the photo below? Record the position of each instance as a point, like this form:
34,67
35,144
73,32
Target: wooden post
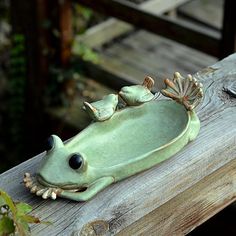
228,41
46,26
65,27
24,18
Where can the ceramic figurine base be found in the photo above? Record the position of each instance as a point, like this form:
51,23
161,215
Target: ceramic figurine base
119,143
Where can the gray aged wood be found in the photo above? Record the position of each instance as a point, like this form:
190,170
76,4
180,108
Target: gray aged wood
178,30
130,59
169,199
207,12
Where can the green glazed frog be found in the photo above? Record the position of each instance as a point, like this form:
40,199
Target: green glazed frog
119,142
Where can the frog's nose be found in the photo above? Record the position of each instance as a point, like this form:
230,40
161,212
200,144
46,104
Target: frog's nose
53,142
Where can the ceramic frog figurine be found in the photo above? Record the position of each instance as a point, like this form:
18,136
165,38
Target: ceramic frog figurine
132,140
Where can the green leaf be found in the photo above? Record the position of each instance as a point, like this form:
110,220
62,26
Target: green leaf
23,208
8,201
23,228
2,202
19,220
6,226
30,219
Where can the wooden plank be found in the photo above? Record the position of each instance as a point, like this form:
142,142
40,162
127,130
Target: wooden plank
180,31
141,53
206,12
228,42
104,32
191,208
65,29
159,6
128,201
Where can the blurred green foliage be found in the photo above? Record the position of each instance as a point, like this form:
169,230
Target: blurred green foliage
17,89
13,112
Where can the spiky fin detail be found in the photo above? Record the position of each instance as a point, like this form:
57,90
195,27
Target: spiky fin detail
187,91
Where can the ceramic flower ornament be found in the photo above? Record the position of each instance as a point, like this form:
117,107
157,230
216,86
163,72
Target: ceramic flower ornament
106,151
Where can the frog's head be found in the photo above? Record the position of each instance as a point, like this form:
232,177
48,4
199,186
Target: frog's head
61,171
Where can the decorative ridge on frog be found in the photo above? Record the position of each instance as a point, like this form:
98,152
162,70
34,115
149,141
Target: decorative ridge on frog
106,151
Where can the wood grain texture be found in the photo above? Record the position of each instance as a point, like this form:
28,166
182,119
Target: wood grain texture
183,179
207,12
129,59
191,208
104,32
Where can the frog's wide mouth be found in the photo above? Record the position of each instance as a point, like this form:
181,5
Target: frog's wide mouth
41,187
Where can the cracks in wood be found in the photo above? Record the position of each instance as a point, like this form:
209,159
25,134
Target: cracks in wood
94,228
119,217
231,91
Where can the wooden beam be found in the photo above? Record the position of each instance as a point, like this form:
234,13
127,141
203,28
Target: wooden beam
228,42
65,29
180,31
104,32
123,62
208,160
160,6
26,19
205,12
191,208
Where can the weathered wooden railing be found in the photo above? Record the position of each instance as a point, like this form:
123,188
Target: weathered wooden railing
170,199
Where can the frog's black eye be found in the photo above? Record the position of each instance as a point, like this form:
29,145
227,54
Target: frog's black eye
75,161
49,144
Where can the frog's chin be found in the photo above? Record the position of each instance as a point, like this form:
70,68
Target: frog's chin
43,188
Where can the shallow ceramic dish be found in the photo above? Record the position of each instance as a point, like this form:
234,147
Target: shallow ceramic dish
120,142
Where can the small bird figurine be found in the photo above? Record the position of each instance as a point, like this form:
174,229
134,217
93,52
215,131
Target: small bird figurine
138,94
103,109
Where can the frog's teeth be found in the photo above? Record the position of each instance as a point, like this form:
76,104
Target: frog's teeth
34,189
28,184
41,191
27,175
26,179
47,193
53,195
